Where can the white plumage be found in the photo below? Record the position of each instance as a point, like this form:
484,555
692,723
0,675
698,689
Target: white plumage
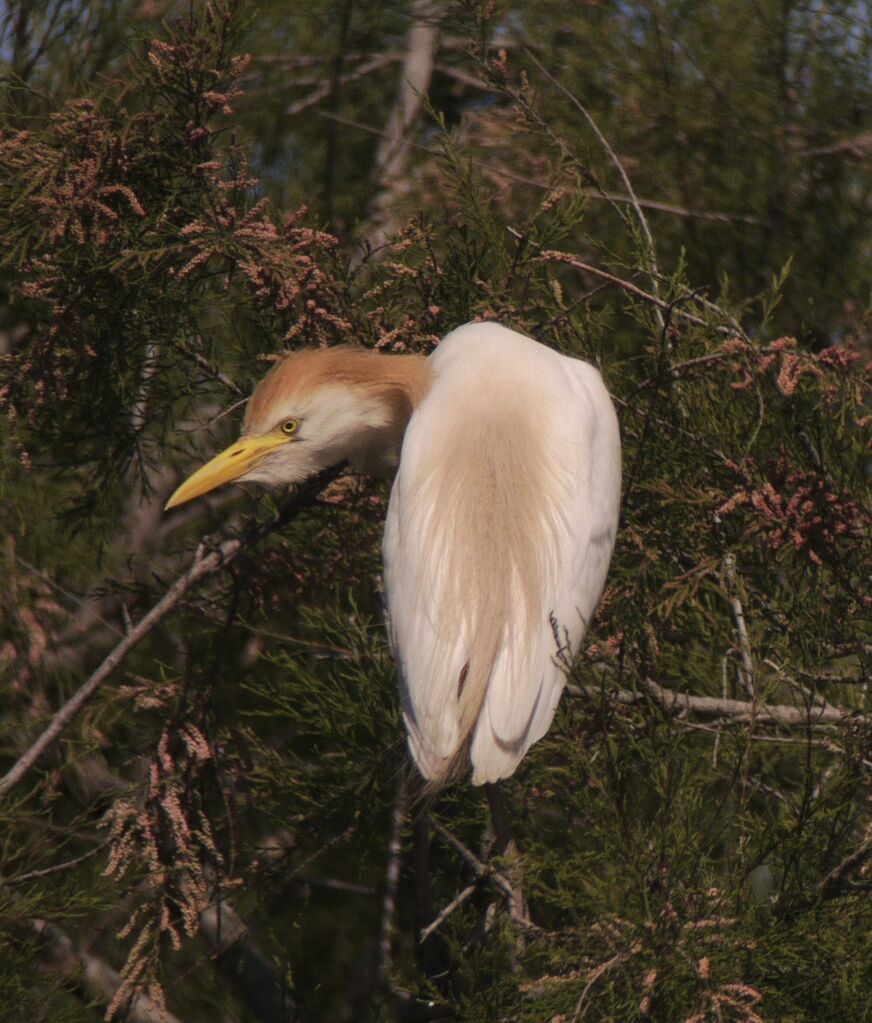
500,528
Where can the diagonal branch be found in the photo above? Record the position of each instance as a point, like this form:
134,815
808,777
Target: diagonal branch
98,978
203,565
482,870
395,148
551,255
651,255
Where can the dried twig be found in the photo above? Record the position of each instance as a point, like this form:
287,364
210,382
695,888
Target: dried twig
835,883
569,260
599,971
323,91
58,867
443,914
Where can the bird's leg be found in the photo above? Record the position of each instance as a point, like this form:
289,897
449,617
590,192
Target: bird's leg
506,846
432,954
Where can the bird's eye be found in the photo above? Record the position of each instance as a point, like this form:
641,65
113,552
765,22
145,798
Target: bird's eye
290,427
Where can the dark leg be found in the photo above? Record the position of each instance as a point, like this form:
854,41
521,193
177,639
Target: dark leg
506,846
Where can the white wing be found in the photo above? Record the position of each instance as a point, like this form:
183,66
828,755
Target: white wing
500,530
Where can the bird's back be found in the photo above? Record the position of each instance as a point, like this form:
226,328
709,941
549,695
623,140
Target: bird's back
499,534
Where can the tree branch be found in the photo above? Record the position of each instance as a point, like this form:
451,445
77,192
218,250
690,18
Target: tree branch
712,706
98,978
203,565
482,870
392,881
650,253
564,257
238,955
443,914
392,157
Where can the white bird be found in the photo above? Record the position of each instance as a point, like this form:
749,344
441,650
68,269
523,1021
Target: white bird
500,527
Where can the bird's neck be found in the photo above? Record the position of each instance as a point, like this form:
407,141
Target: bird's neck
399,383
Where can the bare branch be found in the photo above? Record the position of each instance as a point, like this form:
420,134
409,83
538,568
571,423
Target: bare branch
58,867
98,978
835,883
858,146
237,954
482,870
392,156
712,706
392,881
203,565
564,257
443,915
651,254
324,90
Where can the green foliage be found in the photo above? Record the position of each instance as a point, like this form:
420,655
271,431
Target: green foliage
694,829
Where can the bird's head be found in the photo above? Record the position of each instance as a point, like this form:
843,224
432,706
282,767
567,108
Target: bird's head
314,409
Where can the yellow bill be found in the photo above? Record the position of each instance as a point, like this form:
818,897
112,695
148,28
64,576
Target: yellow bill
232,463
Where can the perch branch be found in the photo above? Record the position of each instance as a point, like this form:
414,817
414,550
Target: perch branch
482,870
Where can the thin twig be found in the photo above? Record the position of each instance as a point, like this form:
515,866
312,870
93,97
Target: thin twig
653,272
66,593
392,881
202,566
323,90
443,914
593,193
598,972
57,868
564,257
484,871
835,883
746,669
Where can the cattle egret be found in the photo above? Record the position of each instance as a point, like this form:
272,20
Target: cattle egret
500,526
